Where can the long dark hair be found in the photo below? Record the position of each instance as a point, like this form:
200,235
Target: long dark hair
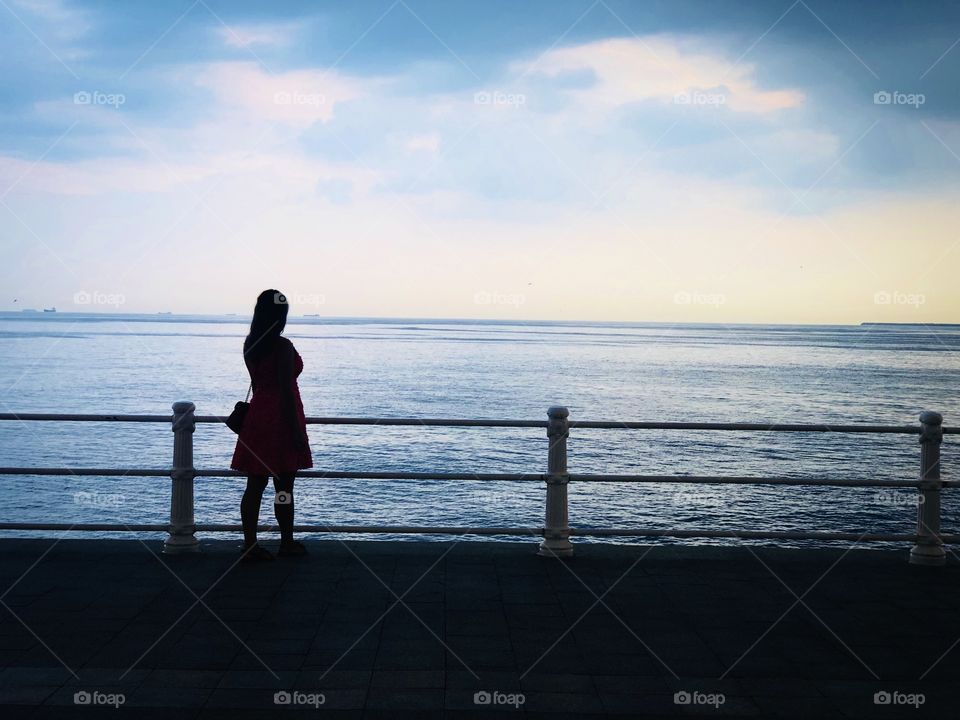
269,319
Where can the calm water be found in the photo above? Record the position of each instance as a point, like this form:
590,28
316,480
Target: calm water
140,364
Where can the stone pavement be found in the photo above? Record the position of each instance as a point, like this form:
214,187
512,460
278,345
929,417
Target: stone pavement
474,630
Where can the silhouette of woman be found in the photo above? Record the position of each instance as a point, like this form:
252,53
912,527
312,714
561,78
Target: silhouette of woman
273,439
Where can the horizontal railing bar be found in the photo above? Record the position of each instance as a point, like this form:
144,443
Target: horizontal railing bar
460,422
755,534
313,474
491,477
86,417
746,480
105,472
215,527
751,427
381,475
516,531
86,527
442,422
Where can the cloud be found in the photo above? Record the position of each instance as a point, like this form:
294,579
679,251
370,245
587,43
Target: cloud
247,125
298,98
61,26
424,143
96,176
659,68
270,35
66,20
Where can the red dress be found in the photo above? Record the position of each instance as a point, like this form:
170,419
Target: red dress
266,443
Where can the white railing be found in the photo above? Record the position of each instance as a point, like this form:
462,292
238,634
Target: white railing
928,541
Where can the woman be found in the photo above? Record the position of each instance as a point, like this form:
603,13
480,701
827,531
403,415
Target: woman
273,439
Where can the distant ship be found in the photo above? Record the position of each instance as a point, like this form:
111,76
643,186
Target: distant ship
313,315
53,309
165,313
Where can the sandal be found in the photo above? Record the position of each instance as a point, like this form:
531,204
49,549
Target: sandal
256,553
292,548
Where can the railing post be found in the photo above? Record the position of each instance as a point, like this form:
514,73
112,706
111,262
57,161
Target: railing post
929,547
556,529
182,528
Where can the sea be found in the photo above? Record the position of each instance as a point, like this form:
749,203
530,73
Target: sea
430,368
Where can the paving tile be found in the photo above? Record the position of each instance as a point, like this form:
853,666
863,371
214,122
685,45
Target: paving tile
498,620
410,679
402,699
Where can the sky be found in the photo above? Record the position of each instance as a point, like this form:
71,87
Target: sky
668,161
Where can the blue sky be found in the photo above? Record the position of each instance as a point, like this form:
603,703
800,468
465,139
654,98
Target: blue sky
726,161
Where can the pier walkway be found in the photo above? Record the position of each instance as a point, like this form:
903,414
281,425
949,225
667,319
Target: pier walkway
474,629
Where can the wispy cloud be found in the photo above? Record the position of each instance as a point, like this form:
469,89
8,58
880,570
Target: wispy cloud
661,69
263,35
299,97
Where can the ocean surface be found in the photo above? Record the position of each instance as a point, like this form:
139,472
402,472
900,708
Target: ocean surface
73,363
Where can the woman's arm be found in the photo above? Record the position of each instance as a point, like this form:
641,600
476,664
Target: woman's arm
286,370
253,384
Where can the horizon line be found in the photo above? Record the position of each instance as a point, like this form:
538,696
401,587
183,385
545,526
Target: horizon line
177,316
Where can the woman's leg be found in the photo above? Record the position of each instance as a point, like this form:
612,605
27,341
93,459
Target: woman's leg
250,507
283,505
